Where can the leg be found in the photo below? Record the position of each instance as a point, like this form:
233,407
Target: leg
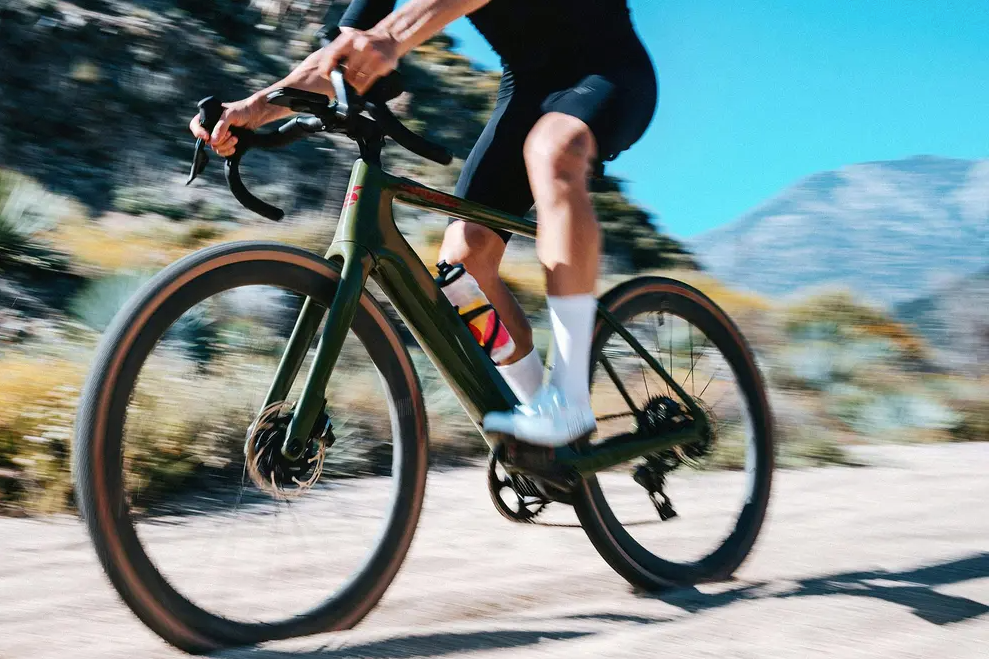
494,174
558,156
480,250
602,114
559,153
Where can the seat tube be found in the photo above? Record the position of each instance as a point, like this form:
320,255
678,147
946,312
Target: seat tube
357,262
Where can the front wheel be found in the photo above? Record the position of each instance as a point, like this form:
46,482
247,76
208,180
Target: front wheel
689,514
212,545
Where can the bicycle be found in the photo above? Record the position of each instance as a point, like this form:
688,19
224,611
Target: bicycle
296,432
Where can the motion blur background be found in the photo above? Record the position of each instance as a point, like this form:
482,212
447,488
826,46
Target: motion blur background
838,210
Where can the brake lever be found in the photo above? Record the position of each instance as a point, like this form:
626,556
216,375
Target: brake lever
210,111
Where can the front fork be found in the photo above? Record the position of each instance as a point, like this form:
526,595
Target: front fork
357,263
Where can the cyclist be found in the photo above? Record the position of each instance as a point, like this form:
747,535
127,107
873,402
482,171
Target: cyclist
577,88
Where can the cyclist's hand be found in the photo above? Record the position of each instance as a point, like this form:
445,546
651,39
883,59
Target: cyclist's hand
247,113
366,56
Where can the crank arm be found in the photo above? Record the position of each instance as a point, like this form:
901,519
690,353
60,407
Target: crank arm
593,458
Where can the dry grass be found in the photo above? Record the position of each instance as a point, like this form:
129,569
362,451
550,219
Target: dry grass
39,396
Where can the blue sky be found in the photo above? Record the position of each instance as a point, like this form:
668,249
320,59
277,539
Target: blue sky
759,93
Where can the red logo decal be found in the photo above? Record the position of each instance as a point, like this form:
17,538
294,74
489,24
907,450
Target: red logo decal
436,198
352,197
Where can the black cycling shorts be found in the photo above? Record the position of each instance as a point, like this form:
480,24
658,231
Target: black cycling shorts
617,102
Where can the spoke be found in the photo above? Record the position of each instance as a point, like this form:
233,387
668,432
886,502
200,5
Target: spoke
690,336
701,394
720,398
618,383
700,356
648,396
657,324
671,356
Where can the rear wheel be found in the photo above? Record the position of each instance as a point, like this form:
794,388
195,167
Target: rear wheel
212,548
686,515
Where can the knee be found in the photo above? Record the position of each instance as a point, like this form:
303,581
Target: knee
477,247
560,147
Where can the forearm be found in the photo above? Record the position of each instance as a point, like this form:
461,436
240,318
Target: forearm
418,20
304,76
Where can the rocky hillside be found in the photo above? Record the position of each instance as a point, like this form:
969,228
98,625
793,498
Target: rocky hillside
888,230
955,319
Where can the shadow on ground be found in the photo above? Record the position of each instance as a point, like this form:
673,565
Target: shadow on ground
910,588
913,589
429,645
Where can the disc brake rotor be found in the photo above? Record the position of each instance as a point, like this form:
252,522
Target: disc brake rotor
268,469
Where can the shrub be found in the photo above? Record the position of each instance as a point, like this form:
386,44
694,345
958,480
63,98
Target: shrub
839,318
26,211
141,200
973,424
39,398
99,302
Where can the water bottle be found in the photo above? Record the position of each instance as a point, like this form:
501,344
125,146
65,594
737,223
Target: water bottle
463,293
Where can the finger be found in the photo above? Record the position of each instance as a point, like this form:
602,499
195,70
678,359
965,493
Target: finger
357,75
335,53
364,83
221,129
197,129
230,140
226,150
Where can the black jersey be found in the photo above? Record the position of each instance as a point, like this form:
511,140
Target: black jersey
531,34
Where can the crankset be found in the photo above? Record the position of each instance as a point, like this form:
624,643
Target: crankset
525,500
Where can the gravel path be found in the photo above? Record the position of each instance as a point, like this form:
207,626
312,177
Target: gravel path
886,561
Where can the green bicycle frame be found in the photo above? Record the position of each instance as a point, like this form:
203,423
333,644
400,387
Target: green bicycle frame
367,244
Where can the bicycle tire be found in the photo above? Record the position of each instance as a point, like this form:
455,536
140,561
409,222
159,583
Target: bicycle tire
623,553
99,430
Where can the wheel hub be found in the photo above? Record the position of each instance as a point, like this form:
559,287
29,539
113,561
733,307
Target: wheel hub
269,469
662,414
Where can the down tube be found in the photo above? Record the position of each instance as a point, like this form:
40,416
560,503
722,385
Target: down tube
442,334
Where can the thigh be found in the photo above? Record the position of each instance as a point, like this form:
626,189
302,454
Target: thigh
495,174
617,106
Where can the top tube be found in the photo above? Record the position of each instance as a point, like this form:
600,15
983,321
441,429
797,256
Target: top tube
410,193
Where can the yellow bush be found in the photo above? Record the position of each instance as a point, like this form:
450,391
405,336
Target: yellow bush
39,398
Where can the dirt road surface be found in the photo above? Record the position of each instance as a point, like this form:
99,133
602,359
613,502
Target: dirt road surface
890,560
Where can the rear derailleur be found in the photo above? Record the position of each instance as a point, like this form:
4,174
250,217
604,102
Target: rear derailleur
662,414
652,477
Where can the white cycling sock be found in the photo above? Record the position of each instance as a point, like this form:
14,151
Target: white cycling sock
524,376
572,318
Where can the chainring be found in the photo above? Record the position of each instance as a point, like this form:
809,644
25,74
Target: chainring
529,499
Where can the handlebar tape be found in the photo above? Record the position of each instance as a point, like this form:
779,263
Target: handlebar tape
247,140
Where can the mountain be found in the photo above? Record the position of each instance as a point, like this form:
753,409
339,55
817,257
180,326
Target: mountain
891,231
955,320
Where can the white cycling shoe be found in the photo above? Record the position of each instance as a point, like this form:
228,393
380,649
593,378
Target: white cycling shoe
547,421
